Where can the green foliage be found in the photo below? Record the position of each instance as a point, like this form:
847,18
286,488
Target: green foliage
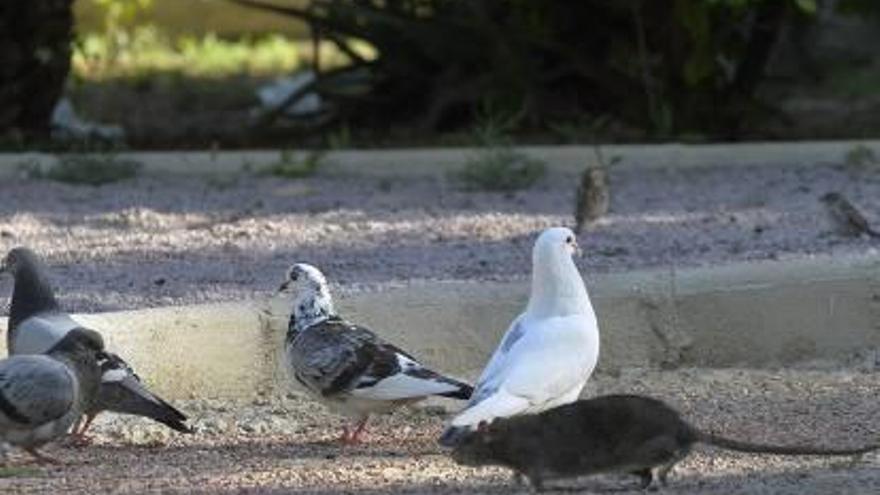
339,138
20,472
859,7
92,169
501,168
118,13
145,50
667,66
290,167
496,166
860,157
853,81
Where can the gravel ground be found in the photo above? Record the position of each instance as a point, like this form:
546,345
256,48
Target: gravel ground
282,444
161,241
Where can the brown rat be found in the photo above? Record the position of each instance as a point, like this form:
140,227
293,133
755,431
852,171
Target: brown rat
614,433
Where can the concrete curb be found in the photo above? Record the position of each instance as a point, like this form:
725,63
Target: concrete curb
433,162
749,314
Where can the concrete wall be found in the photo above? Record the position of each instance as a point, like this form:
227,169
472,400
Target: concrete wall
439,162
750,314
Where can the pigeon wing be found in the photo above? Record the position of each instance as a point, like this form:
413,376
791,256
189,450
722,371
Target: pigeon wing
395,375
487,382
549,361
330,357
335,357
122,392
35,390
39,333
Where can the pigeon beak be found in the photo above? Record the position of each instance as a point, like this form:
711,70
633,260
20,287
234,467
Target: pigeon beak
284,286
577,249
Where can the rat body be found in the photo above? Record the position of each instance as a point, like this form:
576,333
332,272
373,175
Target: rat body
610,434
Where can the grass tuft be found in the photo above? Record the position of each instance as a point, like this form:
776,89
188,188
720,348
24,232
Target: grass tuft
289,167
93,169
501,168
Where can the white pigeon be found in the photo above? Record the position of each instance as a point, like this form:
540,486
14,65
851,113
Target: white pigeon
549,351
348,367
37,324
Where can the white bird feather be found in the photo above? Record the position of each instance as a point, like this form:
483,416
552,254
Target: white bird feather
549,352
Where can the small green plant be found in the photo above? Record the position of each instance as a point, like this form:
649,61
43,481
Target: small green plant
89,168
600,158
339,138
860,156
583,129
19,472
289,167
497,166
501,168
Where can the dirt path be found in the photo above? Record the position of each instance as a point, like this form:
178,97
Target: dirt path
154,242
280,445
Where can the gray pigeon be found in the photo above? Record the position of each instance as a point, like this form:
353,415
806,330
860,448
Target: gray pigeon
348,367
37,324
41,395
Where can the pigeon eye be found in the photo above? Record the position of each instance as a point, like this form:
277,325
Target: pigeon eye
569,240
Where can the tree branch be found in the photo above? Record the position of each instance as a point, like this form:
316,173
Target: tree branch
303,14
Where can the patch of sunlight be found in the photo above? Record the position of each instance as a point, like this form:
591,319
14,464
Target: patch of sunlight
146,50
673,217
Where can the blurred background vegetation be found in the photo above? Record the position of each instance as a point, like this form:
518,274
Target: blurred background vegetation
186,73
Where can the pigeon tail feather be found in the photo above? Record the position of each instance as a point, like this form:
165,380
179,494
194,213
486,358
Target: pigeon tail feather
499,405
464,392
133,398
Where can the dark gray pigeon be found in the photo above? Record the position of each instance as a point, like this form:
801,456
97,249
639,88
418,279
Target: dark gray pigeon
37,324
122,392
42,395
348,367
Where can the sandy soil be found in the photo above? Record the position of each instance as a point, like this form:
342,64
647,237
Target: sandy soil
282,444
161,241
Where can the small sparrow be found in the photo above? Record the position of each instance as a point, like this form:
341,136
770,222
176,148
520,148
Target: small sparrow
592,199
846,219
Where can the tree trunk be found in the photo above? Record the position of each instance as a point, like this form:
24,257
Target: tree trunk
35,47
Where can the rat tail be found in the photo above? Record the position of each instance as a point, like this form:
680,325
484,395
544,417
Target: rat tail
756,448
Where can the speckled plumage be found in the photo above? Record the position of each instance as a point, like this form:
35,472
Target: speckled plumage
348,367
